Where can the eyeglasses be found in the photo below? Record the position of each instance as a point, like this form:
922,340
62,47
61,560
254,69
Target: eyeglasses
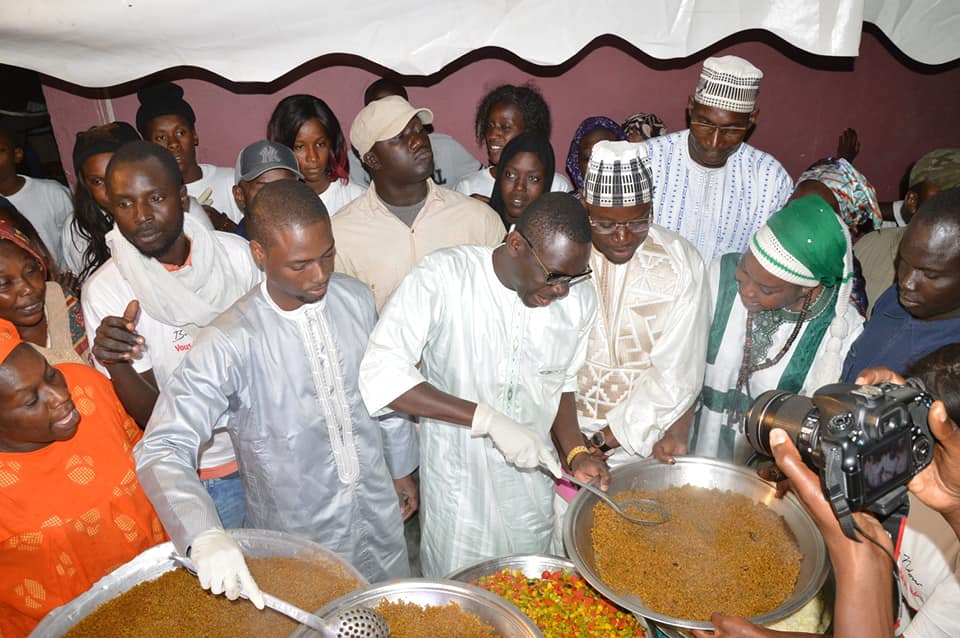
635,226
730,132
557,278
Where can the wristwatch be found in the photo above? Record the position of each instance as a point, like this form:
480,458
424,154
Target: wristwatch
599,441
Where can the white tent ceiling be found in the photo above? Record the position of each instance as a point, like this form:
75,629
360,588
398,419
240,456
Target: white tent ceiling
98,43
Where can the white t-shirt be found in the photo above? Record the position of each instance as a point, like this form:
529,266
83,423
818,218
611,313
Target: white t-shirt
47,204
481,183
74,244
106,294
451,160
928,556
221,180
339,194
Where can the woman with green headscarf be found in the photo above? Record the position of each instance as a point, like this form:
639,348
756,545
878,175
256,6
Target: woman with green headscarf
782,319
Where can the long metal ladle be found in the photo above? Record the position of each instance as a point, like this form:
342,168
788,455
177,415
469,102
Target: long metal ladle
353,622
640,505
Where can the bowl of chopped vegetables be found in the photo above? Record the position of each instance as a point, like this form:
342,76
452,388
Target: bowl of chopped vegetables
550,591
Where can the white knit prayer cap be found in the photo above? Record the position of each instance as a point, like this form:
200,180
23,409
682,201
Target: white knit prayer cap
778,261
618,174
729,83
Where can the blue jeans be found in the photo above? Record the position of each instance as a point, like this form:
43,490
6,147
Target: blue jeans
227,495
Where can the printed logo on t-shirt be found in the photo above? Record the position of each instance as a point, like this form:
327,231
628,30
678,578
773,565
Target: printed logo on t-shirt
908,579
180,335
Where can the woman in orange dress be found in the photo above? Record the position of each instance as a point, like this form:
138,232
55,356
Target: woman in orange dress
72,509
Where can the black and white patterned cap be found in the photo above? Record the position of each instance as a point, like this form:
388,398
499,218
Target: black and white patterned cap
618,174
729,83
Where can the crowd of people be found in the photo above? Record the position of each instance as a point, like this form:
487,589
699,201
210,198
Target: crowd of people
354,325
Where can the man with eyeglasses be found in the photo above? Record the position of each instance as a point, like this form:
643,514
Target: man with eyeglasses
646,351
646,354
711,186
484,345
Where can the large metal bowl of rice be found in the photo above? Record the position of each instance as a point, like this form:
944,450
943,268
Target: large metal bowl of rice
505,619
651,475
156,561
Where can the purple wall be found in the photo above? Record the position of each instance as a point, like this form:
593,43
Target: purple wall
901,110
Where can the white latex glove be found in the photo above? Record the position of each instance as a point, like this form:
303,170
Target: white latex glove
206,198
515,441
221,568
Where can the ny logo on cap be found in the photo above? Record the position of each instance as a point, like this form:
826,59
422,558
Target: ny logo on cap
269,154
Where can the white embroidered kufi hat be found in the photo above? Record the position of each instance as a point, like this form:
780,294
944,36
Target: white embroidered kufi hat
618,174
729,83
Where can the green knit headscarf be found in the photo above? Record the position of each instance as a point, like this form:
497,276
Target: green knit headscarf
805,243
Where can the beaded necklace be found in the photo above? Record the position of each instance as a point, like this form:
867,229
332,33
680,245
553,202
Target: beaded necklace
735,417
766,323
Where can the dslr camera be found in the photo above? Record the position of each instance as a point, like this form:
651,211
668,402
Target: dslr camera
866,441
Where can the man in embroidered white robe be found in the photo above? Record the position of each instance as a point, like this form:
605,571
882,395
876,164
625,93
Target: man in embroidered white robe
645,357
710,186
282,363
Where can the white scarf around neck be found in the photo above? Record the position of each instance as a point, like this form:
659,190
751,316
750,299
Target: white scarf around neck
190,297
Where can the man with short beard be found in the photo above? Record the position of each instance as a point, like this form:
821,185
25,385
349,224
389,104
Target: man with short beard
920,312
168,276
937,171
283,364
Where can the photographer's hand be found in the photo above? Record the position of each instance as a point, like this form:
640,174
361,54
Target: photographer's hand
873,376
734,627
938,484
863,571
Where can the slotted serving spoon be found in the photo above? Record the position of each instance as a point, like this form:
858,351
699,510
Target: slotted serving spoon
654,513
353,622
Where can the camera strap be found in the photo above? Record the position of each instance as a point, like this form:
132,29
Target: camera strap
894,522
834,482
894,525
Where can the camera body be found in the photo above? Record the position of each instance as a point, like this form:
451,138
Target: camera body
866,441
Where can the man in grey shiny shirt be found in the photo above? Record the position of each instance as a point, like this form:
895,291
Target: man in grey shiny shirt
283,364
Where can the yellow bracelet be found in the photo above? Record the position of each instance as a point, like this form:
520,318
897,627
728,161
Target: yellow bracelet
580,449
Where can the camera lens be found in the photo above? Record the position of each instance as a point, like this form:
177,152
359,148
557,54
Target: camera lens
778,409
